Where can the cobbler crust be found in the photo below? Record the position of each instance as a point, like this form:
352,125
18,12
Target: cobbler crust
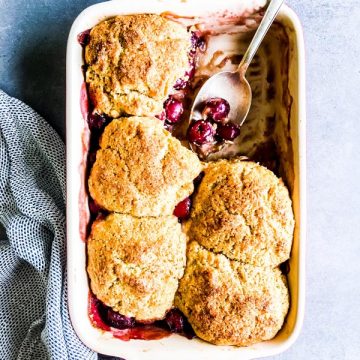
230,303
134,263
133,62
243,211
141,169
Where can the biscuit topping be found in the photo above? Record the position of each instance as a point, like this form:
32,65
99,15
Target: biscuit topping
133,63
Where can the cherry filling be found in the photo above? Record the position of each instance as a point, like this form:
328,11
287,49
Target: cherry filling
210,133
227,132
97,122
197,41
178,323
174,108
201,132
182,209
84,37
119,321
126,328
198,179
216,109
94,207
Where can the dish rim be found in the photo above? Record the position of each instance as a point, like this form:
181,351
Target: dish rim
73,136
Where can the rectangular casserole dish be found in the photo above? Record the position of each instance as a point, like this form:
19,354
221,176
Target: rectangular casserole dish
290,117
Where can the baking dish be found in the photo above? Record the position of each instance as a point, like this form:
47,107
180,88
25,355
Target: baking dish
290,113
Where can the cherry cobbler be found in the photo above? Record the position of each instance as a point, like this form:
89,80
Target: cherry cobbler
175,244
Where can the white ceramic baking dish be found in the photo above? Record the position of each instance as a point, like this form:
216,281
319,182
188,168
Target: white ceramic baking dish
292,121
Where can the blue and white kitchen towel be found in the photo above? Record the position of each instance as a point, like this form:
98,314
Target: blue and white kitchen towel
34,319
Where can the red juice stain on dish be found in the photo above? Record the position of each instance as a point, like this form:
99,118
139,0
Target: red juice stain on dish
84,101
147,332
85,140
126,328
99,314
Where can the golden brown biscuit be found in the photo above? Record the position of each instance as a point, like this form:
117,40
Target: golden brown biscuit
141,169
230,303
134,263
133,62
243,211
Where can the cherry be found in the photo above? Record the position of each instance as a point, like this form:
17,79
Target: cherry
94,207
175,320
285,267
216,108
181,84
228,131
173,110
84,37
96,121
182,209
197,41
198,179
201,132
119,321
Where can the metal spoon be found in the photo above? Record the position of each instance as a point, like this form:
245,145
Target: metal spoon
233,86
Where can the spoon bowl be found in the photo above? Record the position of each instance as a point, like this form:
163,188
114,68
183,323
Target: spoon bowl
232,86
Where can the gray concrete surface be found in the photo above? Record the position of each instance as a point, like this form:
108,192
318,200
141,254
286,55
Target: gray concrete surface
32,67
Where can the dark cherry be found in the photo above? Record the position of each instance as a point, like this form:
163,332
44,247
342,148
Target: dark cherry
216,108
194,38
188,330
97,312
198,179
84,68
285,267
119,321
91,158
84,37
182,209
96,121
197,41
201,44
94,207
173,110
106,357
175,320
181,84
201,132
228,131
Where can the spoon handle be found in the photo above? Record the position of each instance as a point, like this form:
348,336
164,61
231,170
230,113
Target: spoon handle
269,16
